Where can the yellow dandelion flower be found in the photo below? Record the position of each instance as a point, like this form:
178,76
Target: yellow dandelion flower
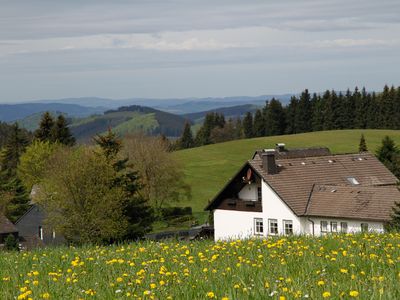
354,294
326,294
210,295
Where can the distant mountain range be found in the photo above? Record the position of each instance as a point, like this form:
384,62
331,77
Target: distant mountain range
90,116
13,112
172,105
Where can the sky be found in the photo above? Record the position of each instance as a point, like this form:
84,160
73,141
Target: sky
206,48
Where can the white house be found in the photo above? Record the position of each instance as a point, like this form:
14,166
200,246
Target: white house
305,191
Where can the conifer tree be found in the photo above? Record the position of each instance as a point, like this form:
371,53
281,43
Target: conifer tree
61,133
389,155
373,115
210,122
291,112
45,130
11,188
259,124
238,129
331,110
248,125
341,120
362,147
303,113
396,111
109,144
275,118
317,107
17,197
12,151
137,211
394,223
186,140
361,102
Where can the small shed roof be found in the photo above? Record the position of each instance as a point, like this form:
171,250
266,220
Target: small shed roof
6,226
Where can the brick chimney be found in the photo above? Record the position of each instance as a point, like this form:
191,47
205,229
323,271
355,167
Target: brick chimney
280,147
268,161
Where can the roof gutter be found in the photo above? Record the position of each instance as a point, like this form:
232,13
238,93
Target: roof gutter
312,222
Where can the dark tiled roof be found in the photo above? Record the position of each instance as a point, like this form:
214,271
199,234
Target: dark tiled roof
6,226
298,153
353,202
297,176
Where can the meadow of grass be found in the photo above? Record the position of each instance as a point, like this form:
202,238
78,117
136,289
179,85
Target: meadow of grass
208,168
332,267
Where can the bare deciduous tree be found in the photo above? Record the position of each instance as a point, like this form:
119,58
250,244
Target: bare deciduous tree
161,175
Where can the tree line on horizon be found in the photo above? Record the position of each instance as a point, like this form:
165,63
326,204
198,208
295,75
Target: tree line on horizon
331,110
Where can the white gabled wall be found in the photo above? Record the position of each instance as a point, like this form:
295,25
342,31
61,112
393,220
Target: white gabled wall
231,224
275,208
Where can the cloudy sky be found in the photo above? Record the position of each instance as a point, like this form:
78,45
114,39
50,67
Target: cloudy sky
182,48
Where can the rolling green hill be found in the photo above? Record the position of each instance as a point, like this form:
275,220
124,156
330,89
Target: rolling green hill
129,119
208,168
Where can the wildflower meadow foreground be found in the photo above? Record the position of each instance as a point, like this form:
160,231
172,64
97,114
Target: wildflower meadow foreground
331,267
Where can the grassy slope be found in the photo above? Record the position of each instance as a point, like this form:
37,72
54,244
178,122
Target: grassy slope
146,123
208,168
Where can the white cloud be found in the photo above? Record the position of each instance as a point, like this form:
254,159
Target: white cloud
349,43
161,42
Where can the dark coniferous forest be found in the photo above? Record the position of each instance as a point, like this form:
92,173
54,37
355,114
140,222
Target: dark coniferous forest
331,110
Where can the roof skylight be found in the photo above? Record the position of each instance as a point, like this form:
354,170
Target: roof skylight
352,180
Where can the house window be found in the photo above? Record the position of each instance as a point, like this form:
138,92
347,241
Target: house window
343,227
364,227
259,194
324,226
258,226
40,232
273,226
333,226
288,226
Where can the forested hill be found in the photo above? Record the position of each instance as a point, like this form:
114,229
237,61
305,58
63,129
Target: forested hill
129,119
331,110
229,112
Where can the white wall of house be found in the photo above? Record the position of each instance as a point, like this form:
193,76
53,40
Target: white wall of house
353,226
232,224
275,208
249,192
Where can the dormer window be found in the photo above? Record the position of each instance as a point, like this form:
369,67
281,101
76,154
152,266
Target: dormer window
352,181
